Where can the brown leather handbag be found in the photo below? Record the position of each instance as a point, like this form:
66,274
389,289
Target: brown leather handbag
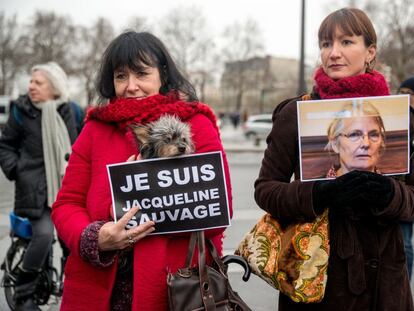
204,287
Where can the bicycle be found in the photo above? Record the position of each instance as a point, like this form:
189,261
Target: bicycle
50,280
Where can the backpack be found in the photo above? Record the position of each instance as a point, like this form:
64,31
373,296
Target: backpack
78,114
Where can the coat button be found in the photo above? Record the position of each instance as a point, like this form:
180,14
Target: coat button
373,263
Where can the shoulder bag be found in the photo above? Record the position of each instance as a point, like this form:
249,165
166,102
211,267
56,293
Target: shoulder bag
293,260
203,287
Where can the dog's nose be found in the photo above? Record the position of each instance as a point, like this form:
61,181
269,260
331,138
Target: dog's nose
181,149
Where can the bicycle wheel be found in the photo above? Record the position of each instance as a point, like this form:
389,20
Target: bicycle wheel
13,259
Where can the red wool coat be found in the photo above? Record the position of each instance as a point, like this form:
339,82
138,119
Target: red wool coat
85,197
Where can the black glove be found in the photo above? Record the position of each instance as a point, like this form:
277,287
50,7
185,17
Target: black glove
350,188
323,193
348,200
329,192
361,192
379,191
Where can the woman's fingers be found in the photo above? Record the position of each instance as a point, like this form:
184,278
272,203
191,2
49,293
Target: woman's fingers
123,221
114,235
132,158
146,226
141,231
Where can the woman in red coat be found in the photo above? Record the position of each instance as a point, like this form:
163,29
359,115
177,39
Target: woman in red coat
138,82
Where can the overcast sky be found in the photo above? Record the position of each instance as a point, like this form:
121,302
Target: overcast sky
279,20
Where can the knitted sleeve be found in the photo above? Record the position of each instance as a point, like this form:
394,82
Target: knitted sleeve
89,250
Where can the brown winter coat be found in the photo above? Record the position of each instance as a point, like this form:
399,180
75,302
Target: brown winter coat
367,265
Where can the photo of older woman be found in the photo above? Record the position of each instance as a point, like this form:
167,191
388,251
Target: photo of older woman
358,139
342,135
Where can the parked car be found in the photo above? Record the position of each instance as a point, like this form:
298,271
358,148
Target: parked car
257,127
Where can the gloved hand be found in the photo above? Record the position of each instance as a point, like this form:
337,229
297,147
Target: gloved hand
379,191
323,193
350,187
348,200
361,192
343,189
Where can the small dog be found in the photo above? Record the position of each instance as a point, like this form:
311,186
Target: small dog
166,137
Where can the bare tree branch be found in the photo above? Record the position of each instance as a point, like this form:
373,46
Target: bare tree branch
12,52
91,43
242,41
137,23
185,32
50,37
394,19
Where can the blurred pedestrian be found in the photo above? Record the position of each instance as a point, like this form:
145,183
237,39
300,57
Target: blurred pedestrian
407,87
235,119
33,146
138,82
367,267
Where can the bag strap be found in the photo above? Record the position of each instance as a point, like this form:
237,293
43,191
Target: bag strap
216,257
191,247
205,288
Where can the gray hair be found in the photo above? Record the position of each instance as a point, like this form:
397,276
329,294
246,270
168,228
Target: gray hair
57,78
356,108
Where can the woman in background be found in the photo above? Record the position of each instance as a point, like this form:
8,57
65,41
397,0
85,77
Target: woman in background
33,150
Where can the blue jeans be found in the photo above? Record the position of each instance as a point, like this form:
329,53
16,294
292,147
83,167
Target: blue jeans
407,230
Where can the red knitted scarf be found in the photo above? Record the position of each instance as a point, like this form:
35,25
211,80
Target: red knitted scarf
363,85
126,111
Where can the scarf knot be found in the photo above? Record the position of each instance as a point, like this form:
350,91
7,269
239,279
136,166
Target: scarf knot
362,85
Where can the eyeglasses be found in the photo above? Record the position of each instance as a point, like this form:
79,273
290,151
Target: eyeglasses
357,136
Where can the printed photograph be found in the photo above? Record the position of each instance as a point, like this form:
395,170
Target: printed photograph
340,135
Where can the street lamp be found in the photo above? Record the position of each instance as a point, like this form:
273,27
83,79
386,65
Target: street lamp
302,84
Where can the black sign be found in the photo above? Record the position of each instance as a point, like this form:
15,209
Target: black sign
179,194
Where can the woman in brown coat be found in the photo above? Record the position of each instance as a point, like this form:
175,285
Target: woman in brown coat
367,268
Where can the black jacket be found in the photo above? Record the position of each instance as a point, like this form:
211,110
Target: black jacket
21,154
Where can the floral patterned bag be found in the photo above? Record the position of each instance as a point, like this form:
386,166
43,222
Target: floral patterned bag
293,260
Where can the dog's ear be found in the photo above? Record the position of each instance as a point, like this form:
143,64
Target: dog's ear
141,133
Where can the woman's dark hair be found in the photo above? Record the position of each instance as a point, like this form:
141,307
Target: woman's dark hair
133,50
350,21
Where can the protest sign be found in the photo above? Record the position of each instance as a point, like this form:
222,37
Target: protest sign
179,194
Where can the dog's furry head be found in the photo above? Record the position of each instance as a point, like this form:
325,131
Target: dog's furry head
166,137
